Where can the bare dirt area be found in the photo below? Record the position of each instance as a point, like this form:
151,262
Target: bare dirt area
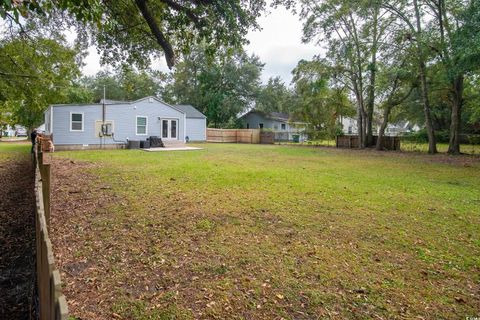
77,197
17,239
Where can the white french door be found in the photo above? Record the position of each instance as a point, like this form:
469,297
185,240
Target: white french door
169,128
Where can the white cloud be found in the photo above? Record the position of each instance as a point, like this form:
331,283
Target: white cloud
279,44
92,62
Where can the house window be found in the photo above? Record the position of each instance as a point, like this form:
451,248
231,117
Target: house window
76,121
284,127
350,130
260,125
275,126
248,125
141,125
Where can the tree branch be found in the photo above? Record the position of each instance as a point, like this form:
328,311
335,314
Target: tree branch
161,40
175,6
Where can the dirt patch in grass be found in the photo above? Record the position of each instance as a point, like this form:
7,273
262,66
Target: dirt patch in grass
78,198
17,238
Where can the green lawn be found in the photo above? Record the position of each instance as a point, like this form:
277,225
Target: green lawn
405,146
11,151
270,232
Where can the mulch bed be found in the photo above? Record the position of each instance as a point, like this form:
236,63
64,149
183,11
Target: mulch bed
17,239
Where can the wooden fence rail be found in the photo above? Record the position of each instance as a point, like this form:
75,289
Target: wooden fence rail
52,303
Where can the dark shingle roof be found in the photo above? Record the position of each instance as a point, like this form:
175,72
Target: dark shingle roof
190,111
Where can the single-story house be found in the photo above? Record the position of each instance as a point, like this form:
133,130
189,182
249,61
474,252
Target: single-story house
400,128
283,124
113,123
349,127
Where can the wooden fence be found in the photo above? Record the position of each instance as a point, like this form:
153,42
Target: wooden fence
52,303
267,137
233,135
350,141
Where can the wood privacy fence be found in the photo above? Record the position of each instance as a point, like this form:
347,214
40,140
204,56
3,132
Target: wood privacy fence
52,303
233,135
388,143
267,137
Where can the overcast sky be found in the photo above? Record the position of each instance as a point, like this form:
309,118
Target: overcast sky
278,45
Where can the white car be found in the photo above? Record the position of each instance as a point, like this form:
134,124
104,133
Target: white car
21,132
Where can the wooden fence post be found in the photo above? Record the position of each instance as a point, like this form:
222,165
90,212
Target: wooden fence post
46,181
51,303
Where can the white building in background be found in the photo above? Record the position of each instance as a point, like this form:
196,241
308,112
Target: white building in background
349,127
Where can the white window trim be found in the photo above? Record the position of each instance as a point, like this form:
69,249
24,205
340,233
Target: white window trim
146,126
83,121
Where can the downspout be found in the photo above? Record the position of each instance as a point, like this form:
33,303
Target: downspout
102,138
103,106
185,127
51,122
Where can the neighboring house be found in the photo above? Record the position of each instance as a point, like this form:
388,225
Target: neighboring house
9,131
281,123
112,124
401,127
349,125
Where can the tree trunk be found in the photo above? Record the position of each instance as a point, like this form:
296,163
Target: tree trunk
369,113
456,116
381,131
364,126
359,127
371,87
155,29
360,115
432,143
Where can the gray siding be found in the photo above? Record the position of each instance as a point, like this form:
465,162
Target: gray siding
123,117
196,129
254,120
